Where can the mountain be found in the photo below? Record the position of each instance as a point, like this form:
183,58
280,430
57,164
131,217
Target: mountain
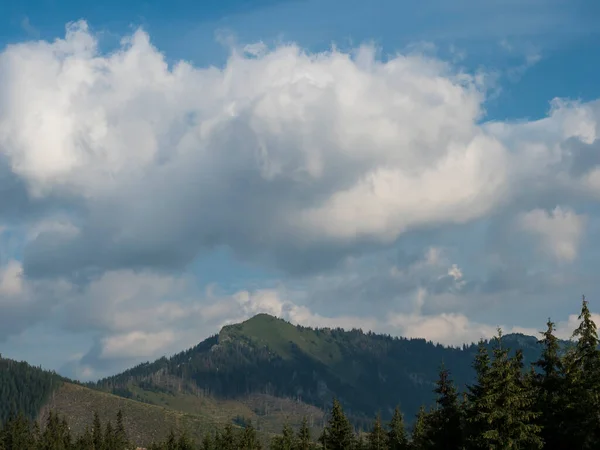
269,357
264,370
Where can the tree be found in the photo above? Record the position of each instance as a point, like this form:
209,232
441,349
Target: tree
121,441
582,373
549,389
338,434
377,439
109,436
478,406
446,420
284,442
97,431
421,432
226,440
249,441
85,441
503,405
184,442
397,438
207,442
303,441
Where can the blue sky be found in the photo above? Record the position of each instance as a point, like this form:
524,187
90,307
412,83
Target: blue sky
434,176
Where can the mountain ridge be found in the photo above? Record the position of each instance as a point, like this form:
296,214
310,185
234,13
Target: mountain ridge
265,370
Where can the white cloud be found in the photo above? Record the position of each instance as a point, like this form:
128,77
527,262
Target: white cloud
295,160
136,344
276,155
560,231
11,280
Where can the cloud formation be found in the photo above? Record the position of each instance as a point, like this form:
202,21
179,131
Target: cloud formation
122,169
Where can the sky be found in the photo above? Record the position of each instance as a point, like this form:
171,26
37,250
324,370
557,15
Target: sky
424,169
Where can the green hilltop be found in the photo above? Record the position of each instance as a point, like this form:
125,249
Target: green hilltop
264,370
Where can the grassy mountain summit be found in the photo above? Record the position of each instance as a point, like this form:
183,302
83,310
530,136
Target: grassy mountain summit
264,370
268,356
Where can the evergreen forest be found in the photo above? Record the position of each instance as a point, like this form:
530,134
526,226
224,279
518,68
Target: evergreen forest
552,404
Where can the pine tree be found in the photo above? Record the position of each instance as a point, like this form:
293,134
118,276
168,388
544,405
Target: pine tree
226,440
582,367
85,441
207,442
109,436
284,442
549,389
303,441
184,442
17,434
171,443
249,441
446,420
97,432
397,438
507,416
421,432
360,443
121,442
478,406
338,434
377,439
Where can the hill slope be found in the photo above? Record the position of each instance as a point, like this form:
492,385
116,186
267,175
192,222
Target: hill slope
24,388
268,356
264,370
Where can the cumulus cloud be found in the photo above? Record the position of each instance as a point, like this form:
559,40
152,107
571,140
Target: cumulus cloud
278,155
560,231
120,169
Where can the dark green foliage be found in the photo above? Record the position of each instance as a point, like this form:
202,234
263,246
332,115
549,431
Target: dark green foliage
502,409
24,388
304,441
421,433
20,433
549,385
286,441
397,437
378,439
446,420
368,373
553,405
338,434
582,391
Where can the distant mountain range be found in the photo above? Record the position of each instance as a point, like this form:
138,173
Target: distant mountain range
265,370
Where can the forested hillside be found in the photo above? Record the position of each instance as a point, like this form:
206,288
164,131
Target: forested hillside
24,388
367,372
552,404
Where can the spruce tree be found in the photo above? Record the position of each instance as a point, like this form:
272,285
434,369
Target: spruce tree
249,440
97,431
303,441
226,439
549,388
109,436
446,419
121,442
508,415
85,441
377,439
207,442
397,438
582,367
338,434
421,432
478,406
184,442
284,442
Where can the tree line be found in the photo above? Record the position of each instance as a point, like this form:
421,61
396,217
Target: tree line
555,404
